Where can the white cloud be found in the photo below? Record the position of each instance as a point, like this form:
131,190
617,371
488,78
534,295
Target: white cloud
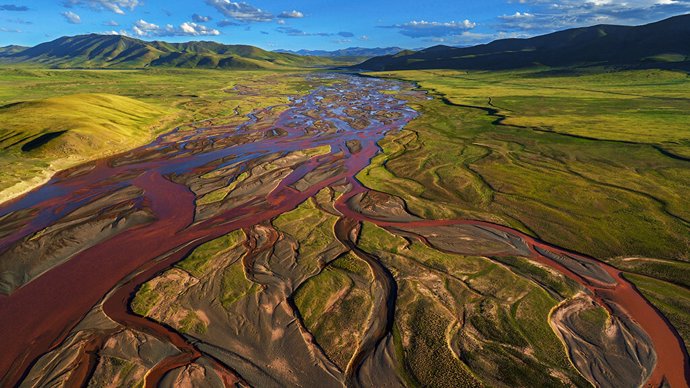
71,17
240,11
143,28
291,14
113,32
422,28
549,15
116,6
517,16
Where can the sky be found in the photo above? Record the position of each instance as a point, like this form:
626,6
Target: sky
320,24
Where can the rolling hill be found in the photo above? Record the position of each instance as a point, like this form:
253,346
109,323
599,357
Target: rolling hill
40,137
116,51
11,49
663,44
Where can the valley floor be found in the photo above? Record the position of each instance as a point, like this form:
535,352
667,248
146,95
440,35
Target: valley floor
467,229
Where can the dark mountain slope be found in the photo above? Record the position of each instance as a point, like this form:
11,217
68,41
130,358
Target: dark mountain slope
663,44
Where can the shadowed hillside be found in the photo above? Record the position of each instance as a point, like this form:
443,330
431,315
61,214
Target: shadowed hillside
662,44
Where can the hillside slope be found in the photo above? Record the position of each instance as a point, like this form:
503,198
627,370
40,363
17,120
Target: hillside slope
662,44
116,51
40,137
11,49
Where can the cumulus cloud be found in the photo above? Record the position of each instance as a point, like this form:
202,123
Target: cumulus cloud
113,32
421,29
240,11
111,23
143,28
13,7
517,16
200,18
71,17
116,6
291,14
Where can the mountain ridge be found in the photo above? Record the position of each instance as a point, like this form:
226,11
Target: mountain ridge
660,44
117,51
350,52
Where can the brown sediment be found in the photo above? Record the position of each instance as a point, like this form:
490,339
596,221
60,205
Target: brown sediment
603,354
55,302
171,173
86,362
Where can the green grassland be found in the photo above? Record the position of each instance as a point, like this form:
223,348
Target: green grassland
312,228
71,116
42,136
163,298
335,308
198,262
593,162
334,301
465,321
672,300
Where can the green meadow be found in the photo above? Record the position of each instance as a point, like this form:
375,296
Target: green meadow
55,119
595,162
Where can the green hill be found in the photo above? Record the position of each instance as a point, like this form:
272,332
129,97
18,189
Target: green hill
662,44
41,137
116,51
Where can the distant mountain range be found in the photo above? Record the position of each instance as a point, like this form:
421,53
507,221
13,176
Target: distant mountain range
350,52
664,44
116,51
11,49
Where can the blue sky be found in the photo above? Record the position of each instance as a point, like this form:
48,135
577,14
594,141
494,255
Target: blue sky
319,24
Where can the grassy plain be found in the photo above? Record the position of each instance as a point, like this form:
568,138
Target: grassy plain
90,113
593,162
